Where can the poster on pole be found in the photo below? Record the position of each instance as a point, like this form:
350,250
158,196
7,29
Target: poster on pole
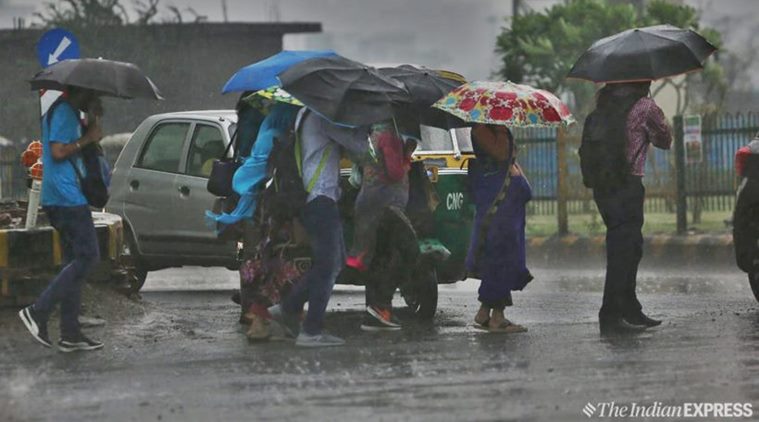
692,139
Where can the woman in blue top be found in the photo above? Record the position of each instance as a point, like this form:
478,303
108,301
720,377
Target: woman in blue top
497,249
249,178
257,293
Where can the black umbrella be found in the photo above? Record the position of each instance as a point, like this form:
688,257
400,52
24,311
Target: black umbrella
343,91
643,54
426,86
107,77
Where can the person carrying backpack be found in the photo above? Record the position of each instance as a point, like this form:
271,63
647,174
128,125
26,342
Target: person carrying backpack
319,149
65,201
615,143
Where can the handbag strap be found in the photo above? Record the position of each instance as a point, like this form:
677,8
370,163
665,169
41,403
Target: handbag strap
488,217
232,141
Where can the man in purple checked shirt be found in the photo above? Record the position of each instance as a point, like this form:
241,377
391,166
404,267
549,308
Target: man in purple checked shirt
615,144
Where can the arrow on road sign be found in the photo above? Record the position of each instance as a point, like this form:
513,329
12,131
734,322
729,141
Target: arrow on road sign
62,46
56,45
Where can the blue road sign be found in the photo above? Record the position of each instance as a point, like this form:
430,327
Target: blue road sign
56,45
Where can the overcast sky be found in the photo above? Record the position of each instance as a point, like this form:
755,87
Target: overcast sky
458,34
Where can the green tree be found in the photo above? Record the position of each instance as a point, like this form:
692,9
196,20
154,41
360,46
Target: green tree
539,48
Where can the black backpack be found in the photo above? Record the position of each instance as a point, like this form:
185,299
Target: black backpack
603,160
94,182
286,195
603,150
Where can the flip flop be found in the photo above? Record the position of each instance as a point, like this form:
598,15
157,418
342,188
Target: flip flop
482,325
507,327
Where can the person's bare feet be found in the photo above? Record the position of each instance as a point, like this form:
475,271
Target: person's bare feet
483,316
497,319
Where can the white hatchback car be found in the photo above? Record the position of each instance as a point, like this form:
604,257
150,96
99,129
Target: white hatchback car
158,187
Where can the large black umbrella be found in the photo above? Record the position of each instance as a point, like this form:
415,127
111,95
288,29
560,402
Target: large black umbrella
343,91
425,86
107,77
643,54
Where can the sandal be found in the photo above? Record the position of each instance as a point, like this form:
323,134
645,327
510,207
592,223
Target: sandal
483,324
507,327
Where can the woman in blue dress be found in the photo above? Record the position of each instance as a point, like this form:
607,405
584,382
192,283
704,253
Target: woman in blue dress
497,248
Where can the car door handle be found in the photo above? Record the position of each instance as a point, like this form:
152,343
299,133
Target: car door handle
134,184
184,190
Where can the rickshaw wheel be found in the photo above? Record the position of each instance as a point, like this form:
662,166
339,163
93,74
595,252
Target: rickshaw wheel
420,295
753,279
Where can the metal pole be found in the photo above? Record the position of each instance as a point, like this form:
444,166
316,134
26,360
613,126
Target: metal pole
561,186
680,194
515,6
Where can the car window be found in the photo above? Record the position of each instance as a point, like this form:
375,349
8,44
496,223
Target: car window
163,150
206,146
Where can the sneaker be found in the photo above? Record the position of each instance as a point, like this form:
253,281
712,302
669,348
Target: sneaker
319,340
380,319
290,323
79,342
37,328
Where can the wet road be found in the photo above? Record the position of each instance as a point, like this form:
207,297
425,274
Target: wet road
182,356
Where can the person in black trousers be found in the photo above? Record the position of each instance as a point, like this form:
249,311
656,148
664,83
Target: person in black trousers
616,138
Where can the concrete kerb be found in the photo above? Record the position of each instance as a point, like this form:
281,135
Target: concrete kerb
694,251
30,257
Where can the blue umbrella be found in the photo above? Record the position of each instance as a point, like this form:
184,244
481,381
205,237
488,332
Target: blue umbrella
263,74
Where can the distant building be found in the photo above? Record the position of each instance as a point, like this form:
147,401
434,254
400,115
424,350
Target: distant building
189,62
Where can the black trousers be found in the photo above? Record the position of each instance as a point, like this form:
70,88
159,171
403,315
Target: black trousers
622,213
397,253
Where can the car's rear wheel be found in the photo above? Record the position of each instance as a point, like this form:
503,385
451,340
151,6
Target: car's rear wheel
421,294
753,279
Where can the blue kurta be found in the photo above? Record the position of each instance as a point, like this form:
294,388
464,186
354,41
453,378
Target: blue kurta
501,264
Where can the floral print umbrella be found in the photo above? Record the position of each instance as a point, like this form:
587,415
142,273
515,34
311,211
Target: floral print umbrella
263,100
505,103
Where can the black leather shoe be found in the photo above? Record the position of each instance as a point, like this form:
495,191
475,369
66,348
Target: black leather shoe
642,319
619,325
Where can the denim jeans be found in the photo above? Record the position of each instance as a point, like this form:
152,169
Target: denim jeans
321,219
80,253
622,213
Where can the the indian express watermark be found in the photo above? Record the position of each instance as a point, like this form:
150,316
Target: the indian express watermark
657,409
